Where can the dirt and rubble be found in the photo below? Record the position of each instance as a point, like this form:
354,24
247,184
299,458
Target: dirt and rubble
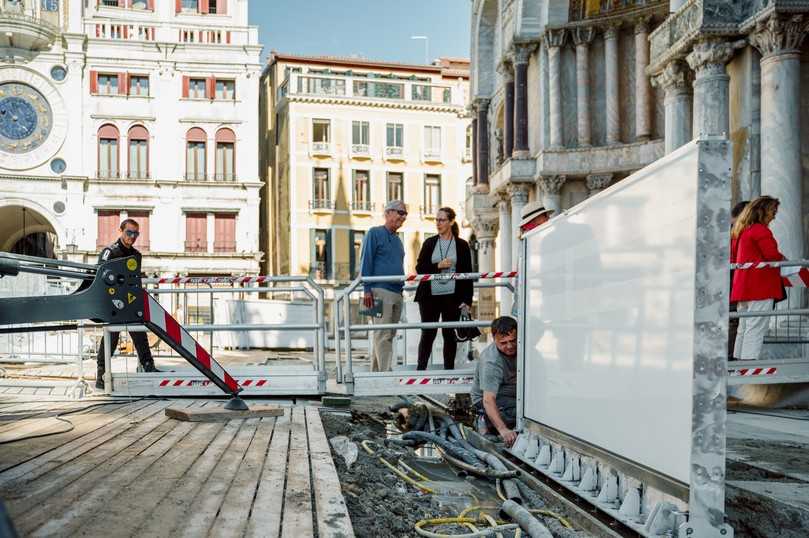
381,503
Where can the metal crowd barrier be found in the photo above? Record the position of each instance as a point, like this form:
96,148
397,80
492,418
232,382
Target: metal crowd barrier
786,355
406,380
255,380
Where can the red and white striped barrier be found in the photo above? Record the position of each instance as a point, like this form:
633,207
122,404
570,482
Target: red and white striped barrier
169,330
747,372
460,276
172,382
212,279
437,380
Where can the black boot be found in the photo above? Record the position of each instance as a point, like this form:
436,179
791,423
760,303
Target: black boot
100,379
149,367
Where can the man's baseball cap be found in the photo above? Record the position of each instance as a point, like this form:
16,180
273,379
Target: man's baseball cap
532,210
395,205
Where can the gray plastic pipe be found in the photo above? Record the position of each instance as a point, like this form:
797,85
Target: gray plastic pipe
510,489
531,525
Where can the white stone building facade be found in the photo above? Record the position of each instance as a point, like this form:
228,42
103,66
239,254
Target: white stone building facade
131,108
571,96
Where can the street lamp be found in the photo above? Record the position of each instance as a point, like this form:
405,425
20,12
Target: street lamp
426,47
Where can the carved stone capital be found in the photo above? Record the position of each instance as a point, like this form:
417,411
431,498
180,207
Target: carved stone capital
597,182
485,225
502,200
710,56
518,194
551,184
522,52
779,34
643,24
480,104
583,35
611,29
556,38
506,69
675,77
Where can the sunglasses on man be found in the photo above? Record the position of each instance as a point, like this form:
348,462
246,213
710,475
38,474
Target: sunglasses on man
132,233
401,212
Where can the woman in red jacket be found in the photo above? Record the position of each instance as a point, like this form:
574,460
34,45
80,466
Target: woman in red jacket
755,290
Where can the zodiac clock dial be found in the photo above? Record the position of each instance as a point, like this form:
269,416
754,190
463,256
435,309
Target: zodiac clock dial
26,118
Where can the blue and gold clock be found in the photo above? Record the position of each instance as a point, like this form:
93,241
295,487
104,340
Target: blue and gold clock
26,118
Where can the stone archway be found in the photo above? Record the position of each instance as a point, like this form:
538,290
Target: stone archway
484,62
26,231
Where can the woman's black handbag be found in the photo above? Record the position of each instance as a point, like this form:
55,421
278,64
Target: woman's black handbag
464,334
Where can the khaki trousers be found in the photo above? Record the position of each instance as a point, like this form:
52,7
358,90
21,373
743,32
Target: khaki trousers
383,340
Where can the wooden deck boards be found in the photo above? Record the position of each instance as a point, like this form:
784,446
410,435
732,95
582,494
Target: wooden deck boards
128,470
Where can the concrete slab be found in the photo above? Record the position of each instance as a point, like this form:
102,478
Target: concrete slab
764,509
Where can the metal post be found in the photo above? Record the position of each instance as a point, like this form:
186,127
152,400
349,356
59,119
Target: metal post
107,361
349,376
210,333
336,322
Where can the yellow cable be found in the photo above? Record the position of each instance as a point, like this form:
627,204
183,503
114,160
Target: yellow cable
565,523
405,477
471,509
413,472
450,521
365,444
490,520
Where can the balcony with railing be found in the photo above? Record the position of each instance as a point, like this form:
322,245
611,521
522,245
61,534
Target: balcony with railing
108,174
196,176
224,246
362,206
196,245
321,204
320,149
467,155
28,24
138,174
361,151
224,176
368,88
394,153
126,25
431,155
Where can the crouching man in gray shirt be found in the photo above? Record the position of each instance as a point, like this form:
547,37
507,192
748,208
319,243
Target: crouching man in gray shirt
494,391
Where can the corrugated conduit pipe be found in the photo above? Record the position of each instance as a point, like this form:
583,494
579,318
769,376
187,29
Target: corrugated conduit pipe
531,525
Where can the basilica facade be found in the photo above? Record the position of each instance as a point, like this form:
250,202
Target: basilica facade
570,97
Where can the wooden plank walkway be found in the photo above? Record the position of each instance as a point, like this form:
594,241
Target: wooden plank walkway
125,469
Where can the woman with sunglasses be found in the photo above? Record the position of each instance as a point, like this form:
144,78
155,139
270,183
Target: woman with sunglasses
754,290
444,299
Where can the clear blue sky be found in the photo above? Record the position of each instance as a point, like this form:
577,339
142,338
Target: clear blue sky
373,29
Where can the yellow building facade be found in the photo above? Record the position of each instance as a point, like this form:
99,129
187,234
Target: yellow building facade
342,137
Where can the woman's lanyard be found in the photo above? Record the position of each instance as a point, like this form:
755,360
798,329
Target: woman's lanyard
441,252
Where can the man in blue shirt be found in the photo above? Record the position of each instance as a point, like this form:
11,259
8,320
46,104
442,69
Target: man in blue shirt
383,254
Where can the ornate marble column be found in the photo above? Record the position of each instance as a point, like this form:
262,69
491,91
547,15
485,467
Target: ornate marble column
507,71
779,40
551,187
613,102
485,226
675,82
582,37
482,107
475,150
555,40
519,197
643,97
597,183
504,243
711,83
521,54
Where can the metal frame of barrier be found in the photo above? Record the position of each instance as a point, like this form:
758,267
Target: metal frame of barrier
406,380
254,380
779,370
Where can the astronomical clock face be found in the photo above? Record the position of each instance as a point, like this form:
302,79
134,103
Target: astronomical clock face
26,118
33,119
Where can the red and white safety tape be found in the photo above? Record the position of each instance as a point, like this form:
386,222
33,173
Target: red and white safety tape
205,382
213,279
797,280
437,380
461,276
746,372
155,314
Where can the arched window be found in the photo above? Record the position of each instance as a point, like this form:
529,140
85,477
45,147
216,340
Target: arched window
138,152
225,155
108,152
195,154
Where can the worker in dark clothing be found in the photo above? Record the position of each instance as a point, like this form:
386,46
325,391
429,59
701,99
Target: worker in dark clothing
122,248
